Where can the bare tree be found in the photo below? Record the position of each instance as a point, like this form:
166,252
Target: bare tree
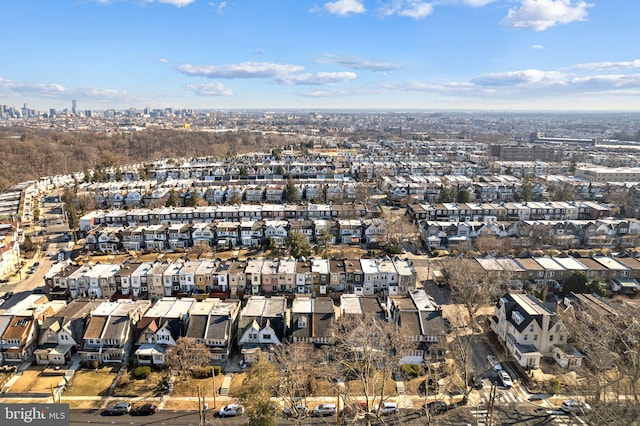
367,351
471,286
186,355
298,365
257,390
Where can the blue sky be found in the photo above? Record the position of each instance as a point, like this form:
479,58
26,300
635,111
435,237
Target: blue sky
279,54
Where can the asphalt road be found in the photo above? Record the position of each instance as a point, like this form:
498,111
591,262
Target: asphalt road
460,416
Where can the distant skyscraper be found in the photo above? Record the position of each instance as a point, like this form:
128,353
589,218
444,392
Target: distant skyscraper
74,107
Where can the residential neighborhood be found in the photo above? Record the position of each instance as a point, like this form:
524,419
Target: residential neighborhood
460,265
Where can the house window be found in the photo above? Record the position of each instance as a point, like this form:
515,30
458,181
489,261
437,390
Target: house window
302,322
551,338
561,338
526,337
266,336
535,337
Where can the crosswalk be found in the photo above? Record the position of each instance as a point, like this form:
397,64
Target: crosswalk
562,419
481,415
502,397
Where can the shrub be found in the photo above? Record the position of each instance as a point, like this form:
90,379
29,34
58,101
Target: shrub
142,372
201,372
412,370
217,370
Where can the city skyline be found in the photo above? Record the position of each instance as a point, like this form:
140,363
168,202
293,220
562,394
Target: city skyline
343,54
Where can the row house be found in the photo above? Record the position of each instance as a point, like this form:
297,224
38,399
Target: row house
61,333
262,326
107,338
20,320
214,322
160,328
312,320
418,319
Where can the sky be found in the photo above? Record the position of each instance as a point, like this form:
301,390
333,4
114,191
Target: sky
342,54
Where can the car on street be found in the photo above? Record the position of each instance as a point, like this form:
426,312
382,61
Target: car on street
505,379
144,410
494,363
231,410
297,410
387,408
435,407
571,406
118,409
478,383
324,410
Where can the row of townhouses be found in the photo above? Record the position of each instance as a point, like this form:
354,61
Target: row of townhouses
619,274
491,212
108,332
224,234
235,213
231,278
561,234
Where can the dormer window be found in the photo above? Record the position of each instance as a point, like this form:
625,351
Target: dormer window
517,317
302,322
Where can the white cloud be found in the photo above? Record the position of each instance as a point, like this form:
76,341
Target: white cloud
542,14
594,66
58,91
523,77
538,47
177,3
356,63
320,78
25,87
209,89
163,60
241,70
415,9
477,3
219,7
343,7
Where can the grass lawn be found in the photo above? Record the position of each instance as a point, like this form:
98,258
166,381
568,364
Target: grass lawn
189,387
83,404
31,382
129,386
91,382
185,405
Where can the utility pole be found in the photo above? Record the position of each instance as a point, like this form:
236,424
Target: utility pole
213,383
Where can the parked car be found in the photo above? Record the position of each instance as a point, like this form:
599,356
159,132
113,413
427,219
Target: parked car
324,410
435,407
144,410
387,408
118,409
478,383
505,379
231,410
575,407
494,363
297,410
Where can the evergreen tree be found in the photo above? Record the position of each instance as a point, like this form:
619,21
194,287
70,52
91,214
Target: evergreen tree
290,191
173,200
